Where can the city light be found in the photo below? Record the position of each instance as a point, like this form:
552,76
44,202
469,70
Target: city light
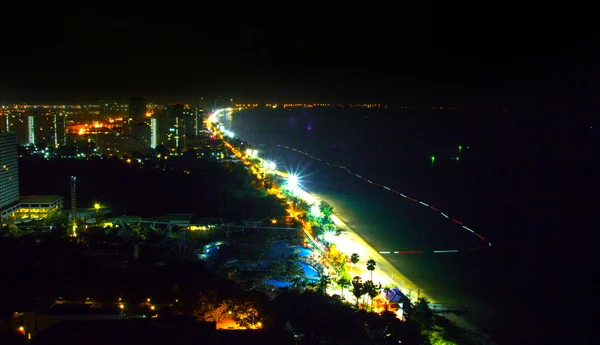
292,183
251,153
270,165
330,236
315,211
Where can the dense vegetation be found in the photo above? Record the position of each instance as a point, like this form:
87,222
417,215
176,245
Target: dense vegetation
64,269
177,185
43,265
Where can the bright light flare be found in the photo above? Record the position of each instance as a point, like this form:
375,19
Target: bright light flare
315,211
293,182
269,165
251,153
330,237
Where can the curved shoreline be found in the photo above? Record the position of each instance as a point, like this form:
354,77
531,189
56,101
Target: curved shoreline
350,241
386,273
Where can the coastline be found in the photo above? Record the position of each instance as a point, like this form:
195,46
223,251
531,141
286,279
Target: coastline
350,241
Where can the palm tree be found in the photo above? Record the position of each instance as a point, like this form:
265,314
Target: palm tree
298,283
343,282
357,288
354,258
371,290
371,267
323,284
386,290
292,270
278,268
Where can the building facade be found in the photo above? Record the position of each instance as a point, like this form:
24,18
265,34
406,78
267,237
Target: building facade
137,109
37,127
9,170
118,145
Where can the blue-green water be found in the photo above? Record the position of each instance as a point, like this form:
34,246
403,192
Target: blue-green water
498,187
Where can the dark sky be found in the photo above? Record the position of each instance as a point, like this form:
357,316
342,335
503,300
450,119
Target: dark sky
369,53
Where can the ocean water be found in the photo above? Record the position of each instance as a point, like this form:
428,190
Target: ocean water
501,187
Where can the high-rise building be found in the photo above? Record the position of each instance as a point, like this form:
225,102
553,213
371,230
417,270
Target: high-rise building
165,131
193,122
48,128
31,129
4,121
9,170
141,132
117,145
137,126
154,139
227,120
137,109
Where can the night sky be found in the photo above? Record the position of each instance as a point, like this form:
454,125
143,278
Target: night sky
394,54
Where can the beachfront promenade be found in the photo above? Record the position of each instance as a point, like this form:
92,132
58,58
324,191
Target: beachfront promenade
349,242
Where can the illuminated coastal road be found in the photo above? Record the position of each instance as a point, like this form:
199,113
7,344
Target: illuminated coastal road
348,242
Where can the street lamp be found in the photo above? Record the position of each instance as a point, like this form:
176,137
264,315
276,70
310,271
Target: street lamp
292,182
269,165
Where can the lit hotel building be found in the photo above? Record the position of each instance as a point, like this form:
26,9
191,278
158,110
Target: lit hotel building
14,208
9,174
34,129
48,129
165,131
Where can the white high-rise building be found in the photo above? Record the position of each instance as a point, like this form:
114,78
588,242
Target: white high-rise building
31,129
9,170
154,132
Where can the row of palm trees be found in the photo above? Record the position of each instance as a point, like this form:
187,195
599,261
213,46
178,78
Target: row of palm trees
371,264
360,288
290,271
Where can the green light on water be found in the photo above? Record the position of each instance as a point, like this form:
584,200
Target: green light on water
432,159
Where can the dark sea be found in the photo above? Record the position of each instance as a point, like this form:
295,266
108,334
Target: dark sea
506,185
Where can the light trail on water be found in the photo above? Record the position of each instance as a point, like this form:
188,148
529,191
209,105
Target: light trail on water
386,188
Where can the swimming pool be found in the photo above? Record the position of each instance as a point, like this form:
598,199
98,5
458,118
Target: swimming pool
282,247
309,271
310,274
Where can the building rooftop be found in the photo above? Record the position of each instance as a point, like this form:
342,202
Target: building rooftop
40,199
395,295
175,218
126,219
92,209
77,309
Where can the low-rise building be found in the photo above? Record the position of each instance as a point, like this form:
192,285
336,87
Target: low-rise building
32,207
179,219
36,321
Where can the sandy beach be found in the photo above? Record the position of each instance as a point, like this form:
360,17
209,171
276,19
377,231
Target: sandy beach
351,242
